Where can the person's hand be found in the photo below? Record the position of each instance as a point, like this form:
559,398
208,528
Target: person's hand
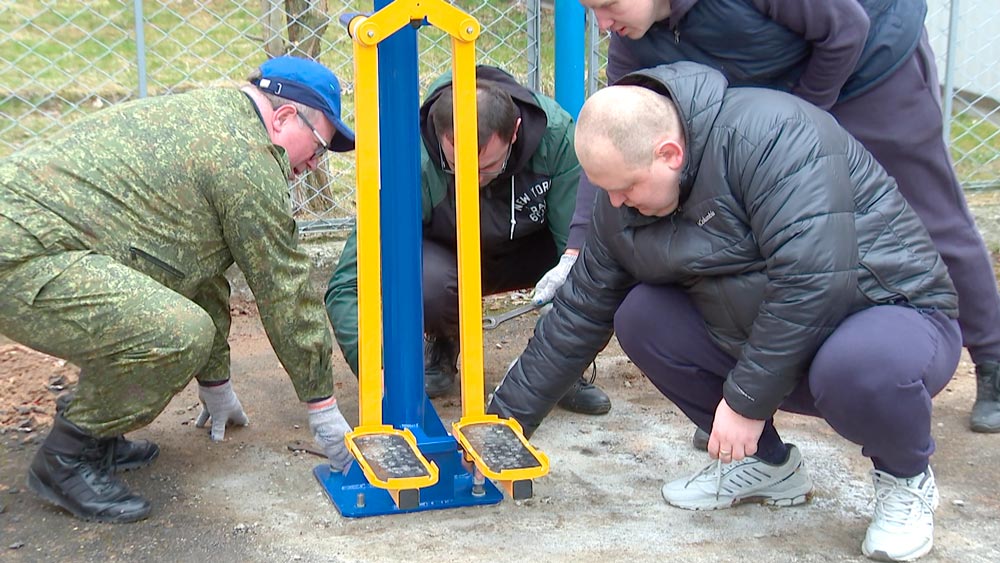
734,436
546,287
328,427
220,404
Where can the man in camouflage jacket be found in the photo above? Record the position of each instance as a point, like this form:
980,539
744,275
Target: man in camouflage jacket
116,240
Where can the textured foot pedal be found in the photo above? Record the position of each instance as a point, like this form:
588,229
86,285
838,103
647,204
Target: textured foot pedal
501,452
390,457
499,447
391,460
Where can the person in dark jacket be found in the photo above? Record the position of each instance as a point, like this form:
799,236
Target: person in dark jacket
869,63
528,174
752,256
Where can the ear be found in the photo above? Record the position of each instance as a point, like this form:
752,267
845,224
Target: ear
283,116
517,127
671,152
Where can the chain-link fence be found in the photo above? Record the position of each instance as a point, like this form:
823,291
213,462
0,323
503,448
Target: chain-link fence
965,38
63,59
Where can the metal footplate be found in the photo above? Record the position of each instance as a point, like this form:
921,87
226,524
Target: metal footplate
500,451
391,460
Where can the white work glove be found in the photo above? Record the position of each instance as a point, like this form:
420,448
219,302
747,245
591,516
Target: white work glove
221,405
328,427
546,287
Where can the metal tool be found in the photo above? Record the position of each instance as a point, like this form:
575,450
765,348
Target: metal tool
493,321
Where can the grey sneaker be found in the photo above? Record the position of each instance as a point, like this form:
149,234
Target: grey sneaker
722,485
902,528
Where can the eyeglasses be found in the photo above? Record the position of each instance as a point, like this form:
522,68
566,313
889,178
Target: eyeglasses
449,168
323,146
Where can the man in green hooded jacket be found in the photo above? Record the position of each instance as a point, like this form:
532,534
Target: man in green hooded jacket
528,175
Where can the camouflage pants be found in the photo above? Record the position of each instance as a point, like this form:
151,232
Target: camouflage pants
137,343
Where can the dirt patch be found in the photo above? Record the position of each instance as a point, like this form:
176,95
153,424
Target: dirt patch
251,498
29,384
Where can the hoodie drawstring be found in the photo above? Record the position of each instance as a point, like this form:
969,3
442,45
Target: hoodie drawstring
513,221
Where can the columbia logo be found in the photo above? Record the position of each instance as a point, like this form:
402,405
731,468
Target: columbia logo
708,217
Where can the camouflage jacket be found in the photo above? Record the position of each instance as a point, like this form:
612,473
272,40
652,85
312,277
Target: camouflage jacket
179,188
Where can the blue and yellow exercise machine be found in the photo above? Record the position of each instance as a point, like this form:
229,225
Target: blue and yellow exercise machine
405,460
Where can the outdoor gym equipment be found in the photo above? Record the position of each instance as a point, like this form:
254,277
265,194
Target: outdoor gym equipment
405,461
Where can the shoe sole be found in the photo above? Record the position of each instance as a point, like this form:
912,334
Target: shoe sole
49,495
879,555
984,428
593,412
783,502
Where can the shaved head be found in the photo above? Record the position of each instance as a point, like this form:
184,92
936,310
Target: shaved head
629,119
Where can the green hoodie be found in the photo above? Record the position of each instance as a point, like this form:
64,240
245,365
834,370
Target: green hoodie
540,180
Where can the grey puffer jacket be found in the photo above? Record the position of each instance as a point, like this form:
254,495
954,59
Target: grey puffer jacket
787,225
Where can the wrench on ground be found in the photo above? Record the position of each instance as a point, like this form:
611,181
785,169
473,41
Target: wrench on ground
493,321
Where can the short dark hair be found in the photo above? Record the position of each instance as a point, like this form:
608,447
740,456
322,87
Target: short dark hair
496,112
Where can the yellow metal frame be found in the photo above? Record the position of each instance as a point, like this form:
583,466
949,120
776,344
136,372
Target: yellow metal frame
367,33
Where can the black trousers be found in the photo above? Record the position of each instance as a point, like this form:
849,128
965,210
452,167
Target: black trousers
518,265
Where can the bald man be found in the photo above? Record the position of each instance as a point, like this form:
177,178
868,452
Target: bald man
752,256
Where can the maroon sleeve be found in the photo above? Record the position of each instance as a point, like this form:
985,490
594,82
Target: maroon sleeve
837,31
620,63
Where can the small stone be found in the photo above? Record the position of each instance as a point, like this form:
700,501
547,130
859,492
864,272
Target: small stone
958,502
16,545
296,426
13,491
940,425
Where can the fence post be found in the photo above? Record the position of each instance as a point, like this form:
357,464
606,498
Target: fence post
949,70
570,58
140,47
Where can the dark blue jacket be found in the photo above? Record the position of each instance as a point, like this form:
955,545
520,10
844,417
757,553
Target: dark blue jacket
824,52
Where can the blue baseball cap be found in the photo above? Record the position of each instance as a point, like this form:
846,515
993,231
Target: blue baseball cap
311,84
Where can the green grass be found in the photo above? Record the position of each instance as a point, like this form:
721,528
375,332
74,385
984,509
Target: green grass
975,148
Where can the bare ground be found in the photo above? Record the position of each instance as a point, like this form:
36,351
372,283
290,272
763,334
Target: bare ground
252,499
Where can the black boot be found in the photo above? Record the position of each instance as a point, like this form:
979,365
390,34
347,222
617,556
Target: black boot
586,398
440,365
700,439
72,470
986,411
128,454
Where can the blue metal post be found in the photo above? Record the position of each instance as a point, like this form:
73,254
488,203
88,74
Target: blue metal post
403,320
570,56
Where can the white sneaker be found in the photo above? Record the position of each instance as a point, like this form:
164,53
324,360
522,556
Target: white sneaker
902,528
721,485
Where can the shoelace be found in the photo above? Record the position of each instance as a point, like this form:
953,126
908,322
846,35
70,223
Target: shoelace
593,373
896,498
715,466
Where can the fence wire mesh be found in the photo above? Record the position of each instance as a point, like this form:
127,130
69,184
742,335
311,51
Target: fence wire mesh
63,59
